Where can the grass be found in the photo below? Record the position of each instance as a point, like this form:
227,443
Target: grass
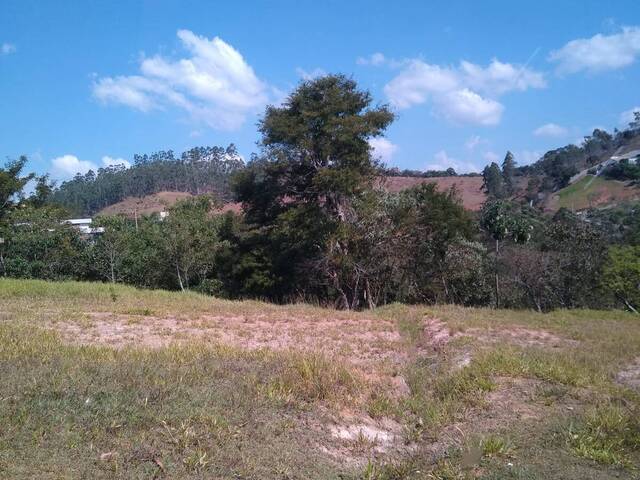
607,433
588,191
199,409
88,412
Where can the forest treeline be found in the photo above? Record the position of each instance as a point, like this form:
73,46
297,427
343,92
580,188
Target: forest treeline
197,171
317,227
210,170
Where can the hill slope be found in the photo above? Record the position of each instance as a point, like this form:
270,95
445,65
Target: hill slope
154,203
469,189
591,192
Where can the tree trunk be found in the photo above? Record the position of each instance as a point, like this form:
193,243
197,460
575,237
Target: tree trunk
112,262
496,274
630,307
179,277
369,297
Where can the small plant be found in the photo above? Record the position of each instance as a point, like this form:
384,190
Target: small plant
381,405
494,446
145,312
112,294
310,377
606,434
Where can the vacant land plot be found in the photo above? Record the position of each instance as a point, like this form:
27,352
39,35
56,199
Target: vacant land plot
103,381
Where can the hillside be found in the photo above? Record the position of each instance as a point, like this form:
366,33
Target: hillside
590,192
107,381
154,203
469,189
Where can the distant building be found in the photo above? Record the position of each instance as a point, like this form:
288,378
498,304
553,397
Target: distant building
84,226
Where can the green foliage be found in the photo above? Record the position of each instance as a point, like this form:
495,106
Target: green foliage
299,197
606,434
39,244
502,220
190,240
11,184
317,226
622,275
467,273
493,182
426,223
623,170
508,173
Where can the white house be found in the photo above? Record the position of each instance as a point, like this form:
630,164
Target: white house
84,225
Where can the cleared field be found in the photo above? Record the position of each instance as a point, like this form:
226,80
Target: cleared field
469,188
102,381
592,192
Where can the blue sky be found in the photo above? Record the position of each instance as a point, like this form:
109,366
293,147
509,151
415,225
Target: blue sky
84,84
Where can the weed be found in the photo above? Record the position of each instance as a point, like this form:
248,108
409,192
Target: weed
146,312
493,446
606,433
310,376
381,405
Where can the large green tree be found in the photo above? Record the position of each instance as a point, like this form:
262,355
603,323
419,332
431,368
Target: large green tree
493,182
509,173
316,162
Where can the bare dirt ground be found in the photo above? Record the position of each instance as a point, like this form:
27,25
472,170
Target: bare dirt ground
371,346
630,375
368,344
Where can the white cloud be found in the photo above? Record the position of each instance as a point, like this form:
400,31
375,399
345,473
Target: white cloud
491,157
455,91
627,116
214,85
499,78
315,73
67,166
466,106
599,53
473,141
442,161
551,130
375,60
382,148
108,161
7,48
527,157
417,81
